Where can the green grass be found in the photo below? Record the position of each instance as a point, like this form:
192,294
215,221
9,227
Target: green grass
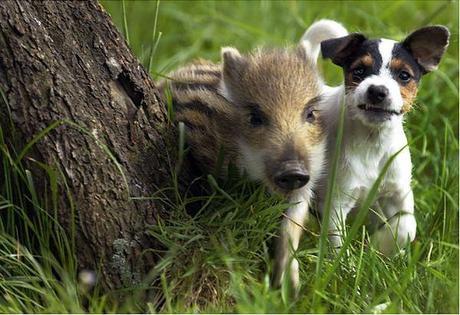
218,260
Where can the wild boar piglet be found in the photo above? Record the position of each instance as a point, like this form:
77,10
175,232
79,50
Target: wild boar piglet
260,109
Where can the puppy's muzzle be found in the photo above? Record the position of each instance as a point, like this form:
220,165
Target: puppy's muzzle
292,175
376,94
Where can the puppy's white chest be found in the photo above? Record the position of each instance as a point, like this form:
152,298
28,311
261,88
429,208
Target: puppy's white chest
361,169
363,165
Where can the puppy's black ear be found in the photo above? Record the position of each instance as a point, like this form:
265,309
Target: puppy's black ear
340,49
427,45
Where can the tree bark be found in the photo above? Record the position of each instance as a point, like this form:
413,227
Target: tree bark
66,60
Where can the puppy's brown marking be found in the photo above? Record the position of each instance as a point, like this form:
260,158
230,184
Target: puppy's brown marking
409,89
408,93
365,61
399,64
350,83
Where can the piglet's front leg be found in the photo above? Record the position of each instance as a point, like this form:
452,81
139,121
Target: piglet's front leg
399,227
288,242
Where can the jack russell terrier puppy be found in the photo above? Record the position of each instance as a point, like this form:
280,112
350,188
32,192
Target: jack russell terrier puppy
381,80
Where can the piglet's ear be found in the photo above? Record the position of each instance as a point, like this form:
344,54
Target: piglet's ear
340,49
233,63
427,45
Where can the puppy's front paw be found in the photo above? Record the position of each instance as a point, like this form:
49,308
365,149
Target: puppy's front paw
395,234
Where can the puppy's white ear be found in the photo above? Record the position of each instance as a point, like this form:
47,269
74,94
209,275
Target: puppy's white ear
233,63
340,49
427,45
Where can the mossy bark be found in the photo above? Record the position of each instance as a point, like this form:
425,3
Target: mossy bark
66,60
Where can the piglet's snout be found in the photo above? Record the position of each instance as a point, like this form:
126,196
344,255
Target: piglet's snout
376,94
291,175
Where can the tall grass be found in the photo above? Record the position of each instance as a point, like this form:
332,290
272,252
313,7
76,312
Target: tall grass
217,260
34,275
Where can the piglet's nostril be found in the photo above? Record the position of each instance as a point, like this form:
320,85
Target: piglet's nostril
376,94
292,176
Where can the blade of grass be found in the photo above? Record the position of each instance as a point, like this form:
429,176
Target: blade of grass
331,186
125,22
155,40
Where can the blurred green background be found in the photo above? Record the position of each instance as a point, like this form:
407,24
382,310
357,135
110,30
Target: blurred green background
192,29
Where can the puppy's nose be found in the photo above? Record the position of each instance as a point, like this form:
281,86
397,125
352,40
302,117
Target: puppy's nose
376,94
292,175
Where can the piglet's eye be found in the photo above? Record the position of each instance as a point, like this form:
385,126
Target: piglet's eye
404,76
256,118
310,115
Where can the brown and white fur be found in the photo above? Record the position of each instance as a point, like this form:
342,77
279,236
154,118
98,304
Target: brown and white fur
381,80
261,110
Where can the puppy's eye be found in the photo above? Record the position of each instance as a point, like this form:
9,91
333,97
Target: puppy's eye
404,76
358,71
310,115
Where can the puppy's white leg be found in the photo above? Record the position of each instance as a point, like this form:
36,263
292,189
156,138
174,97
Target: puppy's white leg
288,241
395,233
336,226
400,226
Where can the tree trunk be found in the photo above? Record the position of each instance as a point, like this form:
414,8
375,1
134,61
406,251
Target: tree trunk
66,60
